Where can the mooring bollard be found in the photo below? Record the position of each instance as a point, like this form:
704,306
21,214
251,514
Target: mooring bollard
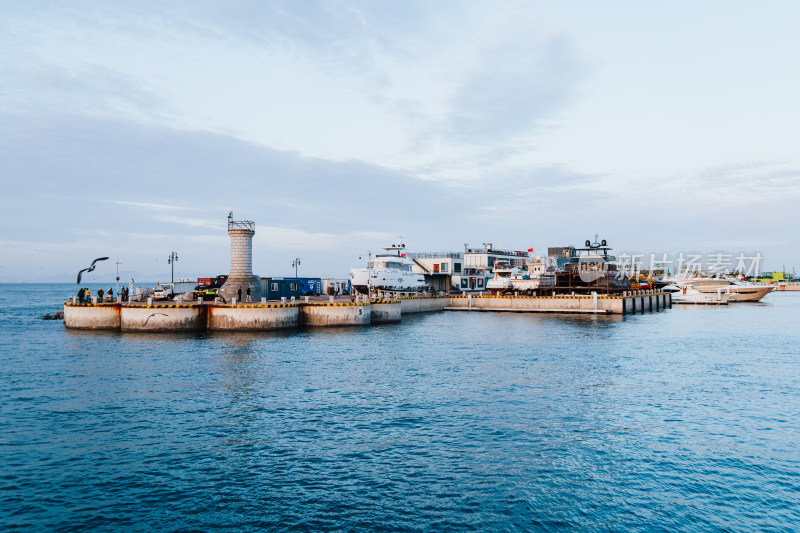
306,299
200,300
235,301
150,301
264,300
330,299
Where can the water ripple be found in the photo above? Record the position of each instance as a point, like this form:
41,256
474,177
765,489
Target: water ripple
685,420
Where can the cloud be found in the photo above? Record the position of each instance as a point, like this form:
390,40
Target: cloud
518,84
741,185
94,90
155,206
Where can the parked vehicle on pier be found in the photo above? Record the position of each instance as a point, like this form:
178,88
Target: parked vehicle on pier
164,292
208,288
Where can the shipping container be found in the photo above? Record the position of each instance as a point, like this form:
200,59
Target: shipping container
277,288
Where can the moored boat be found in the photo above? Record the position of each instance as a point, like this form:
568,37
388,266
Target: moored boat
740,291
389,271
503,280
686,293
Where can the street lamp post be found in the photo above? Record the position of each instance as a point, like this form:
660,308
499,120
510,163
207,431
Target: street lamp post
171,260
295,264
118,263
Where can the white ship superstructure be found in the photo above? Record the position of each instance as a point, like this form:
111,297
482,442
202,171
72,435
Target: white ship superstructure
388,271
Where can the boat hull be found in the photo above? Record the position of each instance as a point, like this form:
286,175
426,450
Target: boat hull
362,279
739,294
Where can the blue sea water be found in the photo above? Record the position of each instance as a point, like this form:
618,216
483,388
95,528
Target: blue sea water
684,420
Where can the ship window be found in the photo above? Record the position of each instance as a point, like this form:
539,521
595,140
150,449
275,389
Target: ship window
274,287
444,267
464,283
457,267
436,267
293,286
480,282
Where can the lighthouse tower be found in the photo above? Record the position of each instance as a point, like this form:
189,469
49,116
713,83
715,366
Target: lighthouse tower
241,277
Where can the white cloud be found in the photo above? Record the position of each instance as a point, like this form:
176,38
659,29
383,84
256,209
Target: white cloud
338,127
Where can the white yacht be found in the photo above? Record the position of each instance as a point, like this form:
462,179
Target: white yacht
387,271
686,293
503,280
508,278
740,291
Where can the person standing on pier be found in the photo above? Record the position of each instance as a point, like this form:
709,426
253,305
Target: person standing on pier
239,294
81,295
248,293
100,295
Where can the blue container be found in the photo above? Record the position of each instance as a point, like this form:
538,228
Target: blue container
277,288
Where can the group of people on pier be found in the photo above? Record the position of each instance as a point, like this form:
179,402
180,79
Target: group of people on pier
85,295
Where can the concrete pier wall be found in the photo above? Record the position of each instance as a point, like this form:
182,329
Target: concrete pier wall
259,317
253,317
423,305
88,316
386,311
638,301
336,314
163,318
635,302
542,304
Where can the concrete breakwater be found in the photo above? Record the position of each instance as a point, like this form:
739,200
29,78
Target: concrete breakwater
623,304
245,317
264,317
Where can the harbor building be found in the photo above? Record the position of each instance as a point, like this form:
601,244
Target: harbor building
439,268
468,271
479,265
774,277
335,286
561,254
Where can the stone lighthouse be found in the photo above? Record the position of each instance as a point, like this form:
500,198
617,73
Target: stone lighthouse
241,276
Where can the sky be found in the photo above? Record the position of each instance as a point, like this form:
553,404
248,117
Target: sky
131,129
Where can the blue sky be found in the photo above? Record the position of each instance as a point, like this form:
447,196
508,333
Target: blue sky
131,129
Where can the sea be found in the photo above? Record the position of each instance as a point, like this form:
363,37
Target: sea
686,419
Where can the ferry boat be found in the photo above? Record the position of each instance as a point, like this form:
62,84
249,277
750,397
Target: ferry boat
388,271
